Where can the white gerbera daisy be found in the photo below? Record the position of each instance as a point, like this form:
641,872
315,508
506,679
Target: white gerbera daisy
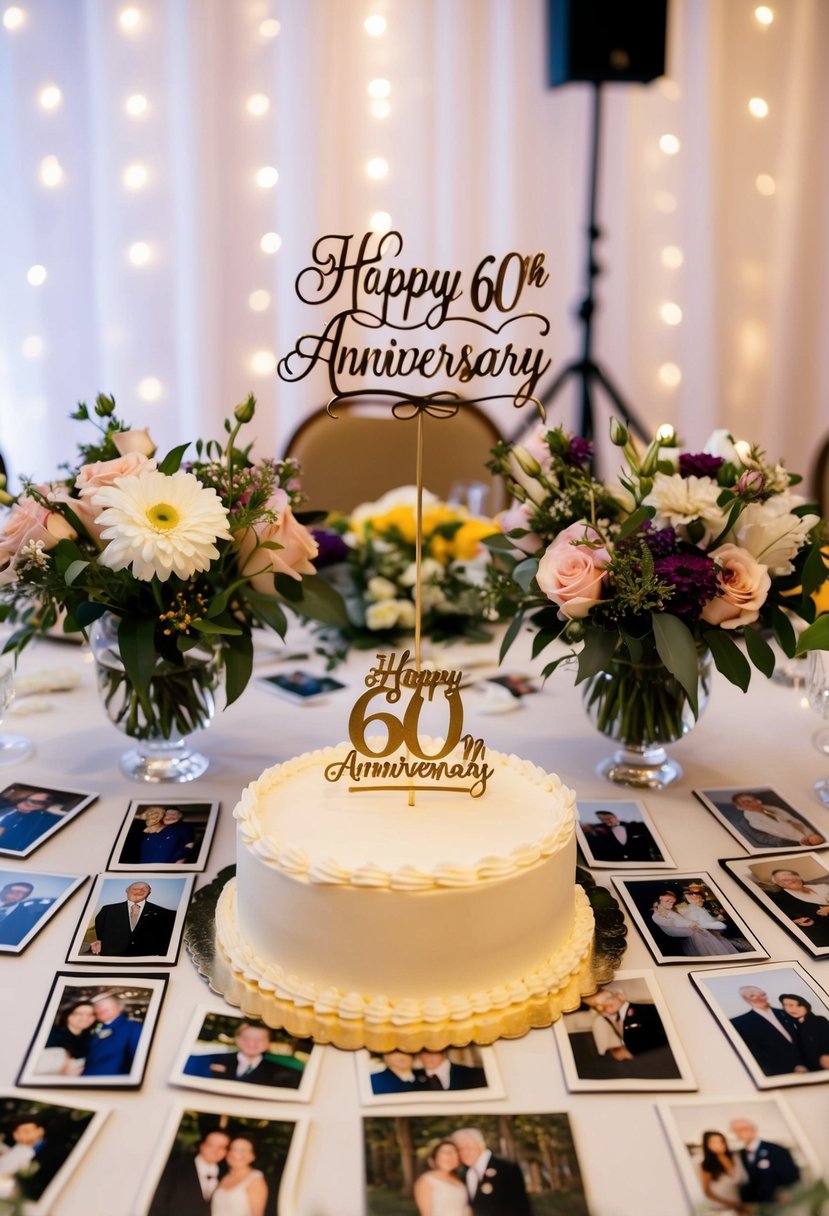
160,525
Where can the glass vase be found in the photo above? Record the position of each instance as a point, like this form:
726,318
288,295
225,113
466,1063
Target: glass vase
180,702
642,706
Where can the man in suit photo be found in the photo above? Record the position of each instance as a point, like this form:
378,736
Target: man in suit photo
622,1029
24,817
439,1072
495,1186
134,927
770,1167
187,1183
18,912
114,1040
806,904
613,839
251,1062
767,1034
33,1158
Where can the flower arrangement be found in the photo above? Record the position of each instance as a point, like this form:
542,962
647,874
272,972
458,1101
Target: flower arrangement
372,554
684,553
185,557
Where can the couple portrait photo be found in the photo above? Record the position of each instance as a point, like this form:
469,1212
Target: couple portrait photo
226,1054
761,819
794,889
622,1038
222,1165
30,814
93,1033
40,1143
28,901
463,1165
684,917
134,920
740,1157
776,1018
165,836
614,833
399,1075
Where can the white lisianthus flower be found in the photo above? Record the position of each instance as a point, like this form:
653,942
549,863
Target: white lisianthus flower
380,588
382,615
771,533
721,443
405,614
431,570
431,596
681,500
160,525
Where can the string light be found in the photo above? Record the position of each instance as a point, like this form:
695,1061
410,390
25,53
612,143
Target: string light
129,20
51,172
377,168
764,14
258,104
135,177
263,363
380,108
150,389
379,87
271,242
32,347
670,374
136,105
267,177
50,97
14,17
380,221
672,257
666,431
139,253
269,28
36,275
375,25
258,301
669,144
670,313
765,184
758,107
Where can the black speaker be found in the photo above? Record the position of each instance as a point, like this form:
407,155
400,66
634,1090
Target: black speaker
606,40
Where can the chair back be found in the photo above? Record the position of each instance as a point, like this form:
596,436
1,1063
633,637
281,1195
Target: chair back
820,479
364,451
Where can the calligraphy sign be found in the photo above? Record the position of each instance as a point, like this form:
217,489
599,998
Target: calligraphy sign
418,306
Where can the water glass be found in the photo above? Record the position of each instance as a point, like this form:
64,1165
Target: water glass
12,747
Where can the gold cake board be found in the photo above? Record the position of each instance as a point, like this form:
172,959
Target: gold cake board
512,1022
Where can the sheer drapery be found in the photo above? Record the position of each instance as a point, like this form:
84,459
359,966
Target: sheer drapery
138,243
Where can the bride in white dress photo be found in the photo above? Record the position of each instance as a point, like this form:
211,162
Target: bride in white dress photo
243,1190
439,1191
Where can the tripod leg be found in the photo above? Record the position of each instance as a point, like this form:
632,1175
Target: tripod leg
621,404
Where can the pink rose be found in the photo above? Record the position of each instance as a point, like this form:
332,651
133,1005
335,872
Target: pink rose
129,442
518,516
93,477
744,585
571,573
293,559
28,521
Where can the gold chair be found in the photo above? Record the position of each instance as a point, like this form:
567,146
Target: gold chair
364,452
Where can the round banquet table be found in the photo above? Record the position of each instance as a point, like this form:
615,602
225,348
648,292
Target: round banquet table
763,738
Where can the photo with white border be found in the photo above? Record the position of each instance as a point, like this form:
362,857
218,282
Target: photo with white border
454,1074
620,832
165,836
110,932
28,900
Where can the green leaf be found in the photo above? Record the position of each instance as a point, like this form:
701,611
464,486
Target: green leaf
730,660
317,600
814,571
784,632
87,612
210,627
64,554
677,650
289,588
596,653
759,651
734,512
550,668
524,572
815,637
238,663
73,572
544,637
635,520
510,636
499,542
172,461
267,609
136,643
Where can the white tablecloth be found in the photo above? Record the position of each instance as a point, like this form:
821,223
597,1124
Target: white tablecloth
764,738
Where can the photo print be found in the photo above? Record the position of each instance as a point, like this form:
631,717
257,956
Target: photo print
685,918
223,1053
132,919
794,889
455,1073
31,813
775,1017
525,1165
213,1161
40,1145
740,1154
761,819
29,899
614,832
158,836
95,1032
622,1038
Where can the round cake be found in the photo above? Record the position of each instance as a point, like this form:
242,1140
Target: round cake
363,921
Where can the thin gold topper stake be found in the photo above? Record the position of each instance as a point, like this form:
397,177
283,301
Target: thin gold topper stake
418,557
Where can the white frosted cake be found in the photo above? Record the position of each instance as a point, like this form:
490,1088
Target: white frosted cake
364,921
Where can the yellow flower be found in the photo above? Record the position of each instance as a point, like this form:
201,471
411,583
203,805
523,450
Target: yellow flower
402,519
469,536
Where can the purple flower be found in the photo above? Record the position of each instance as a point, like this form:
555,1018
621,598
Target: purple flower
693,577
332,548
660,541
579,452
699,464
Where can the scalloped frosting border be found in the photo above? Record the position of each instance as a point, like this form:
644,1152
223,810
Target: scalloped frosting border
377,1012
327,871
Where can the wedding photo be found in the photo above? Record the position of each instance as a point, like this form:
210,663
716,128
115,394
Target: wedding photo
685,917
40,1145
615,833
622,1038
28,900
30,814
94,1032
776,1018
740,1155
793,888
428,1076
762,820
222,1164
132,919
524,1165
223,1053
169,836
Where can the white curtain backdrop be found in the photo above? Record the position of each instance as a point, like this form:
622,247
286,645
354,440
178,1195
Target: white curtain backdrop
138,249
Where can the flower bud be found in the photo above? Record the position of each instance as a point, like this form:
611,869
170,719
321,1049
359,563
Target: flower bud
618,433
751,484
527,461
245,409
104,406
649,460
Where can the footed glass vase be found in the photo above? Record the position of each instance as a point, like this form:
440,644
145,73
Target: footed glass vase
642,706
180,702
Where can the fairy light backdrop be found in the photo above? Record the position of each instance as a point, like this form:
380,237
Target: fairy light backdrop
166,164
